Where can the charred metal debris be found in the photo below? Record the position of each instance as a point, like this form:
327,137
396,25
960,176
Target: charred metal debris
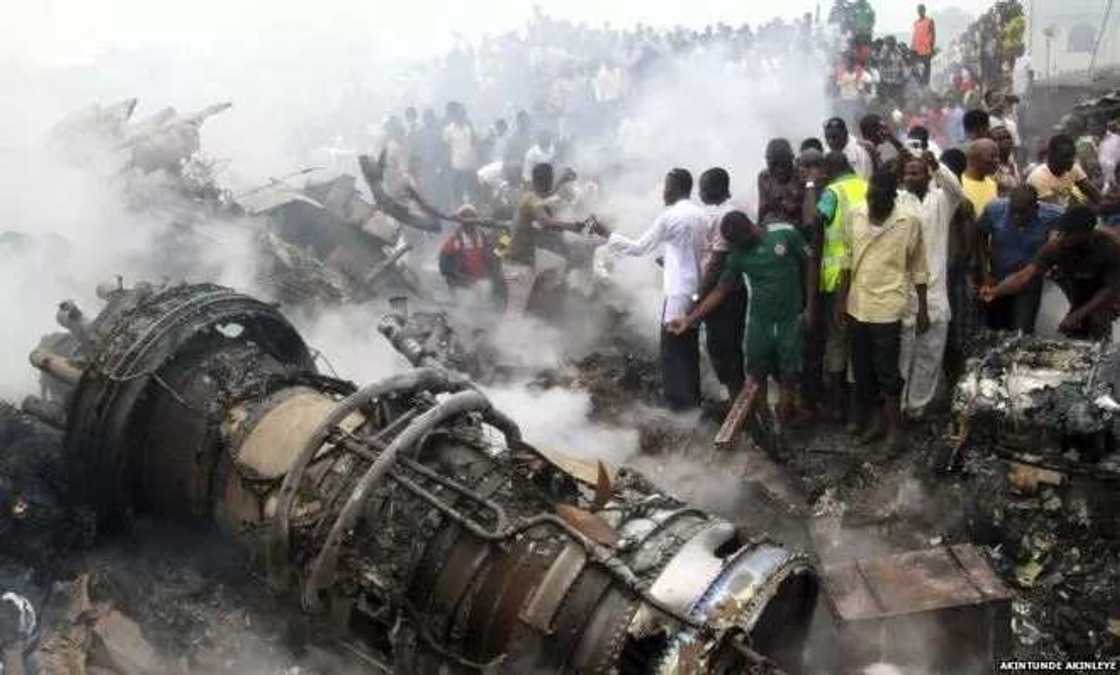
409,511
1036,433
1046,403
319,243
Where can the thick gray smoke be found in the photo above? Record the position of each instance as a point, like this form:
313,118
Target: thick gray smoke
69,229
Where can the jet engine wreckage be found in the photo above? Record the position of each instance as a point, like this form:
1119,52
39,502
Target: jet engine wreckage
409,511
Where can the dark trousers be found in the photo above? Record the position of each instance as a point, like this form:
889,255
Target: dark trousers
875,351
724,329
812,374
925,61
1016,312
891,92
816,342
680,369
964,305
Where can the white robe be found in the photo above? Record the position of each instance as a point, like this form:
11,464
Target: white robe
921,356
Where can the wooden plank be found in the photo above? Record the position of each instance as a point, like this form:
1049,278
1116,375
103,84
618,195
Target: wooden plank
737,417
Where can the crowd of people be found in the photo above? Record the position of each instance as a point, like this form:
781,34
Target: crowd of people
876,252
869,271
558,83
990,51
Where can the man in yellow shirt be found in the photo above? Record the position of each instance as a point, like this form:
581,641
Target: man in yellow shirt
887,260
978,180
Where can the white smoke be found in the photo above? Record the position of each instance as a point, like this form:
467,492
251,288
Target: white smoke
697,112
557,420
68,230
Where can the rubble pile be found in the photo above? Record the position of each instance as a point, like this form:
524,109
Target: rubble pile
1023,466
623,380
1052,534
618,376
162,599
1049,403
1044,541
37,523
311,245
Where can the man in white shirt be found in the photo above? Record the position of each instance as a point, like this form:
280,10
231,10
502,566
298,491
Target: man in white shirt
725,326
922,355
499,139
679,233
608,84
852,81
543,152
458,134
397,174
1109,152
1021,76
837,137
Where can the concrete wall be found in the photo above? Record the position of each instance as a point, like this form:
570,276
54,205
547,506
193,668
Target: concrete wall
1076,25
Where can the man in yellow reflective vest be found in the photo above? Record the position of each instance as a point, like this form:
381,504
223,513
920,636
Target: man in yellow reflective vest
828,350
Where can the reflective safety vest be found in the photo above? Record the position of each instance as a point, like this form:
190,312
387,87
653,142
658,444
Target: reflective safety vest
850,191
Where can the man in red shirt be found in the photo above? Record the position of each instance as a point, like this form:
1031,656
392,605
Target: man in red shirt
467,256
923,42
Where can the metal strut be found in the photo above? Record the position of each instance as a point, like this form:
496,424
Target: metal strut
323,567
279,547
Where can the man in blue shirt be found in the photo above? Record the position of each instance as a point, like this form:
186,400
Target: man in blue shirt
1012,231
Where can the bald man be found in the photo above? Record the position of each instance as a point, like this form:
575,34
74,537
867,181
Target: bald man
979,181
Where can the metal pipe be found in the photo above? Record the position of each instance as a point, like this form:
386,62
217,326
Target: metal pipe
326,561
57,366
280,548
504,531
387,264
1100,38
392,326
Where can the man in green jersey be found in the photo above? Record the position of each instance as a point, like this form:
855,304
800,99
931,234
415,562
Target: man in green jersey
778,265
